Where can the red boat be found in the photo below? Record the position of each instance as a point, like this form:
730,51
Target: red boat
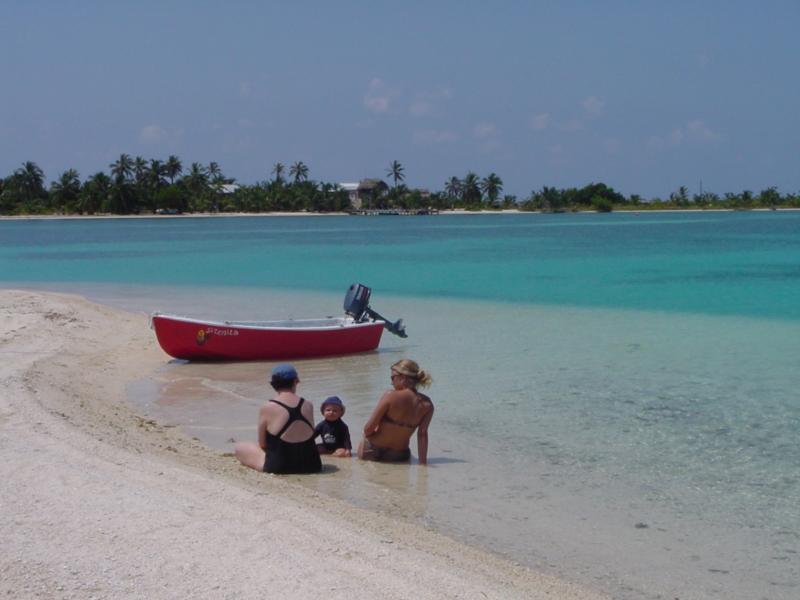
358,331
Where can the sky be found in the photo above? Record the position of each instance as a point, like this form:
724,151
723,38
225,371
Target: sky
643,96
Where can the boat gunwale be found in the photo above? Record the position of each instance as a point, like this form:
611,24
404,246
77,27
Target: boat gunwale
343,323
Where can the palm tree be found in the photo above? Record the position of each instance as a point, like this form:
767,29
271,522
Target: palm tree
197,177
155,174
470,189
139,170
299,171
453,187
278,170
66,190
492,185
197,184
214,172
30,180
395,171
139,167
122,169
95,193
173,168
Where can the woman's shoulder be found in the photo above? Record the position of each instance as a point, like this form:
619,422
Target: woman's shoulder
402,395
284,401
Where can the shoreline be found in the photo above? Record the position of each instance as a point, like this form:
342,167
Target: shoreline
116,504
445,212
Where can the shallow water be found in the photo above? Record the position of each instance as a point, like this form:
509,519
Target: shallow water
636,438
655,449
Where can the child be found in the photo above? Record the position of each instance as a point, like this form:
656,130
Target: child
335,434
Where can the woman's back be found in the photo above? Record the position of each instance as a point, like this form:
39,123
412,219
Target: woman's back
406,410
281,411
290,437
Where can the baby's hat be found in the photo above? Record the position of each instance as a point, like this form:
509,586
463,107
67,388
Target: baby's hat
335,400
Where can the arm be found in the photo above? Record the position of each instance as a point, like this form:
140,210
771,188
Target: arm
422,437
375,419
343,437
347,445
263,420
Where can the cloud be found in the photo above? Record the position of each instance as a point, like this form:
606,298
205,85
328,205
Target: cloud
245,89
427,103
694,132
433,136
540,122
676,136
152,134
593,106
378,97
698,131
488,137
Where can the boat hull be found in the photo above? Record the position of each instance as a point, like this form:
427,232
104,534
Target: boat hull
192,339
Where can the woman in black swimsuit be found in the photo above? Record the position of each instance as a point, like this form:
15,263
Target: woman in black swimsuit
399,413
285,431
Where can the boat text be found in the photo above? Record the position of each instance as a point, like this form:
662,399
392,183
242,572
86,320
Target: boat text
218,331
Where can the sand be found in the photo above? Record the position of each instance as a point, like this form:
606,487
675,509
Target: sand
98,502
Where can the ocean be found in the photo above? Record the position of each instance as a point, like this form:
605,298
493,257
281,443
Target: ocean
616,394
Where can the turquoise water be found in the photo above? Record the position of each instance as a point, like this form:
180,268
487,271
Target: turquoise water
715,263
616,394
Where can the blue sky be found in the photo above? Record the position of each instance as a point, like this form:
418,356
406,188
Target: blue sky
643,96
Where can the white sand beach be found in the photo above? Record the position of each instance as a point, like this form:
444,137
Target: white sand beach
98,502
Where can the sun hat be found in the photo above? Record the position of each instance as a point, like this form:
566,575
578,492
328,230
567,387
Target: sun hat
335,400
285,371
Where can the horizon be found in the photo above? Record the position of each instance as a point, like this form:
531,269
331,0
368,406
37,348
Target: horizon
644,99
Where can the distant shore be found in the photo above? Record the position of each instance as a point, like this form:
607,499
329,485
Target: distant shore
458,211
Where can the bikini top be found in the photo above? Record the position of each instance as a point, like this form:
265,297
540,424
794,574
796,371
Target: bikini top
294,415
388,419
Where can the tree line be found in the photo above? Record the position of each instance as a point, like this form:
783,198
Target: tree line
140,186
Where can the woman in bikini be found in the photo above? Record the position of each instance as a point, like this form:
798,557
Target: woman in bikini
399,413
285,431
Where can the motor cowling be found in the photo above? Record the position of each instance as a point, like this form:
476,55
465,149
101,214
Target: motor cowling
356,301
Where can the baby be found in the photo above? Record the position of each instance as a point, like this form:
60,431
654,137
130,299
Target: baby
335,433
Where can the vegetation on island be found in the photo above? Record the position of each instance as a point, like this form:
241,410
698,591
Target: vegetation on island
140,186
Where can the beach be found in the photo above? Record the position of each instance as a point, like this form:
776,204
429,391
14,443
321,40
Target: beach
100,502
624,420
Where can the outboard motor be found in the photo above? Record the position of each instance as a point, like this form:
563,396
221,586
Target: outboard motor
356,304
